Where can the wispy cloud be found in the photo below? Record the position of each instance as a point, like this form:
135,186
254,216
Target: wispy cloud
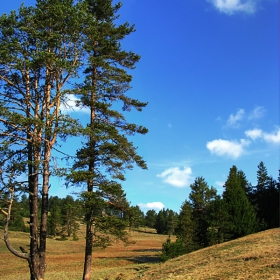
232,149
257,113
270,137
231,7
151,205
233,120
69,105
176,177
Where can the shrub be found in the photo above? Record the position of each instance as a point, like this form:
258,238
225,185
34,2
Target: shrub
172,249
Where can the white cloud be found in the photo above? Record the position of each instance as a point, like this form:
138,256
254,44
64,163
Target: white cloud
177,177
257,113
272,137
231,149
254,133
151,205
233,120
233,6
69,105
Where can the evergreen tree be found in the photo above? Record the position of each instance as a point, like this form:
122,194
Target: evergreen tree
24,203
39,54
185,228
54,221
171,222
262,177
245,184
160,224
218,222
70,216
241,214
107,151
266,199
166,221
272,210
150,218
172,249
16,222
42,49
136,217
200,198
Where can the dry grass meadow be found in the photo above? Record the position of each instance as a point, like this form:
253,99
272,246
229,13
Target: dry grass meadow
253,257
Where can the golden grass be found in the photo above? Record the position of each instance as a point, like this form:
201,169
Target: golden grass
253,257
65,258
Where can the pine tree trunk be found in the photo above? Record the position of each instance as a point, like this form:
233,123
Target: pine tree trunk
89,231
37,269
37,257
88,252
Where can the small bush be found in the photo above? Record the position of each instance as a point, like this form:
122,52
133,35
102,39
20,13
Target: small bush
75,237
172,249
62,238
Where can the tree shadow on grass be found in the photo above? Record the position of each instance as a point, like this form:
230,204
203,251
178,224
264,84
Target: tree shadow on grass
146,259
137,259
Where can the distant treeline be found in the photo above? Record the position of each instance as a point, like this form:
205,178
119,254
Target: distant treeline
205,218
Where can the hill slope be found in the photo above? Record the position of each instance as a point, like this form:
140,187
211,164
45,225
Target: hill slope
253,257
256,256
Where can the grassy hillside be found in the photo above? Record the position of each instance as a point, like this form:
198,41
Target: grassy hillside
252,257
256,256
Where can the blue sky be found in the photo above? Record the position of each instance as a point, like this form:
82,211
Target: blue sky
210,72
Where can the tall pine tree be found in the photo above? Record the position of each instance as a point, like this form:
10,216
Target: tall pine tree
150,218
241,214
107,151
266,199
200,198
39,54
185,230
218,222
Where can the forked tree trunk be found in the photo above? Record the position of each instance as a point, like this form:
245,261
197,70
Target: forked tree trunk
35,262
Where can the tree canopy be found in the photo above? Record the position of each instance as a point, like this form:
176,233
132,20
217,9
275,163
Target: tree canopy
57,51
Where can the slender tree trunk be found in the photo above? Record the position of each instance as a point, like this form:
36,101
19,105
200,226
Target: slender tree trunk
88,251
33,204
34,157
44,211
37,264
89,216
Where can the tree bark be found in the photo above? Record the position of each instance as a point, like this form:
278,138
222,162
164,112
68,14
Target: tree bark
89,216
88,251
